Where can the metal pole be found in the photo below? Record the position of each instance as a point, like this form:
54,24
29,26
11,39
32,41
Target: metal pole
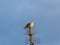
30,36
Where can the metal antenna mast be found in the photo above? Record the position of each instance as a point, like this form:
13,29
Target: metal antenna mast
31,38
30,32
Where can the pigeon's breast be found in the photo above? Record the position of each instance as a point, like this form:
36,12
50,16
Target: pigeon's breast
31,25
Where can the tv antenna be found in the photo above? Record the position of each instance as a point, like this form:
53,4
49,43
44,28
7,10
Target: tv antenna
30,38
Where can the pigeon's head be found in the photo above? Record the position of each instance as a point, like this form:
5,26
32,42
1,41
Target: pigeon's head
32,22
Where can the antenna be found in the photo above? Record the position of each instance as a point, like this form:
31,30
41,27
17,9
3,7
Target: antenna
31,40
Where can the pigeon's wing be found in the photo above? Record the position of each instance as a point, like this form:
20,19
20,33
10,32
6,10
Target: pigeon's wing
27,26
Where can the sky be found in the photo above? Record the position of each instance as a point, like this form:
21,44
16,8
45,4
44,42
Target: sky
15,14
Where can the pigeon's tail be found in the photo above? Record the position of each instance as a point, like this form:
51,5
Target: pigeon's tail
24,27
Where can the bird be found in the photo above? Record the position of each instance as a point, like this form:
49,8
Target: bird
29,25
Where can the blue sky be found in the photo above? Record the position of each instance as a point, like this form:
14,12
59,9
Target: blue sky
15,14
